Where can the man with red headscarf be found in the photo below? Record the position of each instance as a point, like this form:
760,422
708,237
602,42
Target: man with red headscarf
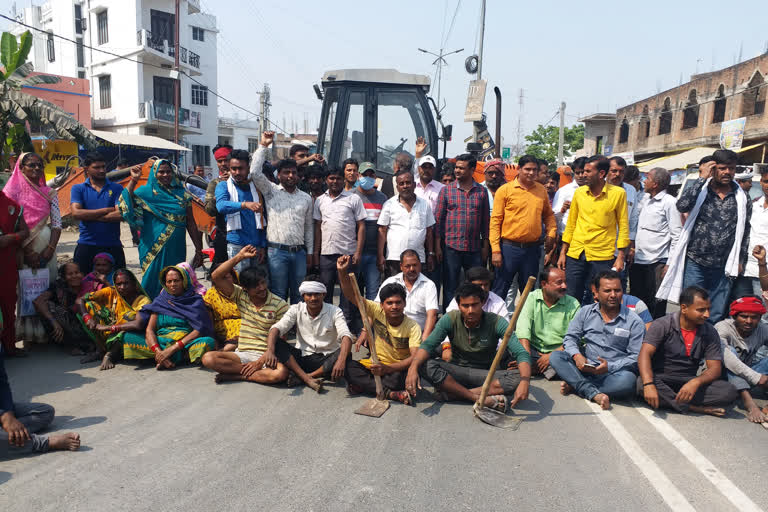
744,334
221,155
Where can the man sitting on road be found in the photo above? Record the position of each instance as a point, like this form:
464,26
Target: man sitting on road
259,311
474,337
397,339
744,334
420,292
544,320
599,360
323,340
673,349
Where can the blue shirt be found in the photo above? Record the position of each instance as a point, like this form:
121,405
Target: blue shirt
96,232
617,341
225,205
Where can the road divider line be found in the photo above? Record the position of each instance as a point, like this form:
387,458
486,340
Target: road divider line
735,495
663,485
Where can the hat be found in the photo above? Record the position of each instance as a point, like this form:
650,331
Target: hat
365,167
744,176
429,159
221,153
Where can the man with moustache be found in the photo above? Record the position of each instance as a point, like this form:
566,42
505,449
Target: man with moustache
221,155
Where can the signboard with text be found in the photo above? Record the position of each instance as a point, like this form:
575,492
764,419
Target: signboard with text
475,101
732,133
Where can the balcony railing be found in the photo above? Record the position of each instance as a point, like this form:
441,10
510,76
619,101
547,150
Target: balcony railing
156,111
160,44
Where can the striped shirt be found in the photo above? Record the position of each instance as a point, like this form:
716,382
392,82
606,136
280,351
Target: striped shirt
255,322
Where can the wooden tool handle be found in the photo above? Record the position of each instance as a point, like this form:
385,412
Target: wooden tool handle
504,341
371,336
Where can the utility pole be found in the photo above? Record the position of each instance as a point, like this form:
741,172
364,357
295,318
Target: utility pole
482,36
561,138
176,87
518,149
265,104
439,61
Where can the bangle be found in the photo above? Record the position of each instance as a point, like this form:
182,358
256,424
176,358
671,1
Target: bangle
113,329
154,347
445,345
87,317
181,343
648,384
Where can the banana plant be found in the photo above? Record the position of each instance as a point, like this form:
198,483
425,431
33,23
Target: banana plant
20,111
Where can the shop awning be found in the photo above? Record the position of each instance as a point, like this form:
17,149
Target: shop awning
682,160
144,141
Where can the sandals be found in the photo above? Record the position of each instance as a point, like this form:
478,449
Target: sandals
499,403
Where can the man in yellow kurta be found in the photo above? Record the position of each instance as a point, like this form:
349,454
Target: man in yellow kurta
597,226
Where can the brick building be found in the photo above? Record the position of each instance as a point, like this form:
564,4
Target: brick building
691,115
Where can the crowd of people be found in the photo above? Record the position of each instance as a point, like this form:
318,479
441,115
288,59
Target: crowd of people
435,265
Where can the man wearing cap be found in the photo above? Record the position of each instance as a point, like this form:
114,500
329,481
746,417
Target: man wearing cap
520,209
744,179
405,223
428,189
323,340
373,201
290,231
221,155
749,283
743,334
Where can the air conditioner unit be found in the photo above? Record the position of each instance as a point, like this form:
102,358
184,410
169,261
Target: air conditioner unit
758,169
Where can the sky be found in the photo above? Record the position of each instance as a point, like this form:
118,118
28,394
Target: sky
594,55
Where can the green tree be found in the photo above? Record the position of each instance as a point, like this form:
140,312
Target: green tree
20,111
542,143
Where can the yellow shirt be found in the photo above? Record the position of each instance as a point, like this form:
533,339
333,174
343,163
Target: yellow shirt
518,213
593,223
393,343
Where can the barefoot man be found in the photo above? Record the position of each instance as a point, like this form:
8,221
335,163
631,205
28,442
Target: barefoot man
20,423
599,356
397,339
672,351
259,311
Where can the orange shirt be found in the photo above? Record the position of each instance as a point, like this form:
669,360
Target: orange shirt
518,214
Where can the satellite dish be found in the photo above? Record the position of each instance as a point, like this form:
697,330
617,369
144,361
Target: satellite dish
471,64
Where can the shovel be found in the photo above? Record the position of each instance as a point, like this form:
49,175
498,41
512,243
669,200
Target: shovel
491,416
374,407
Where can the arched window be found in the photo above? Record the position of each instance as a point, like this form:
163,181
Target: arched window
753,103
691,111
665,119
624,131
645,124
718,113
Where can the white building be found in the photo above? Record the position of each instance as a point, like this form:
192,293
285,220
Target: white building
239,133
135,97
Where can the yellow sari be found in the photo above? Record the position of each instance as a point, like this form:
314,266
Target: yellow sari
108,307
226,316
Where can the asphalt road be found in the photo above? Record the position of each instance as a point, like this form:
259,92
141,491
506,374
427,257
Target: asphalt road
177,441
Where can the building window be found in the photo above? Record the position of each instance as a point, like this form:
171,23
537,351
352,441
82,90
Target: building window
718,114
201,155
224,141
102,27
199,95
253,144
80,53
79,21
198,34
105,91
665,119
163,90
81,74
691,111
645,124
624,131
51,50
599,145
753,103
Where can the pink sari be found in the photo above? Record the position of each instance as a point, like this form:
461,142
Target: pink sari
35,198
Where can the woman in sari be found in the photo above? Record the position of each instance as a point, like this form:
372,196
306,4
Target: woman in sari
161,210
13,232
57,305
110,312
196,285
41,207
226,315
102,274
179,328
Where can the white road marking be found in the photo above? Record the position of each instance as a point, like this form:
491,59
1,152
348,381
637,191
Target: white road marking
663,485
740,500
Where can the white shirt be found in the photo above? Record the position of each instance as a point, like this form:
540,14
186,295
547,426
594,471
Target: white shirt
658,228
758,234
422,297
430,192
407,230
563,194
315,335
633,211
493,304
